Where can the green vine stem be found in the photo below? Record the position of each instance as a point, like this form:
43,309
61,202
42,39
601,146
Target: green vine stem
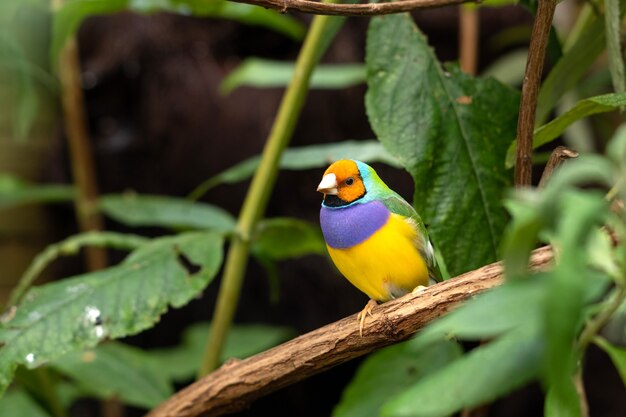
259,191
79,147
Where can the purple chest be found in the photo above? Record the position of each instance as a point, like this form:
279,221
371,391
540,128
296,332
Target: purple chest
349,226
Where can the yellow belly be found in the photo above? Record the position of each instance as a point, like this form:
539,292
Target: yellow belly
386,263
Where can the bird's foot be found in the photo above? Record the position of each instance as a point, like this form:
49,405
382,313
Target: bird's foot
367,311
418,289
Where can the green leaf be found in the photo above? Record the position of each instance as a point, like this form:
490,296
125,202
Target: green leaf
172,212
305,157
450,131
390,371
471,380
264,73
17,403
579,213
613,45
242,13
181,363
15,192
522,233
567,405
79,312
490,314
582,48
617,355
69,17
582,109
509,68
285,238
68,247
116,369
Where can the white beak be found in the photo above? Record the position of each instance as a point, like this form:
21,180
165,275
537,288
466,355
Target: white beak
328,185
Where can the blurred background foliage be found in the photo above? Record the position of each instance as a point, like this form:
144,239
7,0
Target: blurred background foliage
179,96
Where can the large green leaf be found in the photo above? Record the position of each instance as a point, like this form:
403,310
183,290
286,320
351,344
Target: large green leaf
79,312
390,371
582,109
264,73
116,369
482,375
181,363
68,18
284,238
450,131
153,210
305,157
17,403
15,192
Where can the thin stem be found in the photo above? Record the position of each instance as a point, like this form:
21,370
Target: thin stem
597,323
530,89
365,9
468,38
258,194
81,157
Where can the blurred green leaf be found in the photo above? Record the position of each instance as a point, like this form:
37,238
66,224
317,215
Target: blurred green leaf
450,131
17,403
163,211
613,44
284,238
69,17
617,355
582,109
181,363
15,192
242,13
562,406
471,381
79,312
263,73
509,68
578,214
116,369
390,371
305,157
490,314
522,233
582,49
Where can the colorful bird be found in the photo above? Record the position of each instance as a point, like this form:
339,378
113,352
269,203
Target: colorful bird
375,238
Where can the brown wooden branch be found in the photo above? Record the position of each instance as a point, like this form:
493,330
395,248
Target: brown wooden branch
559,155
366,9
238,382
530,90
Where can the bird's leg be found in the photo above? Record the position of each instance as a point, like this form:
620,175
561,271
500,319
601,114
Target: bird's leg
418,289
367,310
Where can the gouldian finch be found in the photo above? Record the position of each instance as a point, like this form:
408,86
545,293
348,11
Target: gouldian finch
375,238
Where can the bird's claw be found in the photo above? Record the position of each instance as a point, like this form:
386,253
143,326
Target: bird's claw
367,311
418,289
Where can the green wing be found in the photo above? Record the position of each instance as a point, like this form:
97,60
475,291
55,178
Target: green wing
399,205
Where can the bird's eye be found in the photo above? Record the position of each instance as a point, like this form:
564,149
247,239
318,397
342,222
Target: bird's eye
350,181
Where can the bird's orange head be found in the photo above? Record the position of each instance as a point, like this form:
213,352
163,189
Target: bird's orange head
342,183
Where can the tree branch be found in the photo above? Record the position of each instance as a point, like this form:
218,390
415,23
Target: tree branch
530,90
367,9
238,382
